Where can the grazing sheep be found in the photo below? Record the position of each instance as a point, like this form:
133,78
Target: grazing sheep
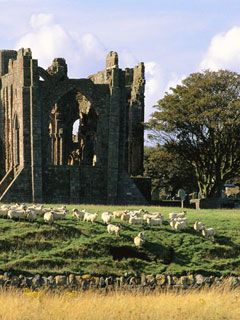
79,214
49,217
3,212
198,226
31,215
140,211
61,208
85,215
106,217
111,228
208,233
139,240
182,214
125,216
135,220
18,206
59,215
172,223
90,217
4,206
174,215
119,213
39,210
16,214
180,225
154,221
154,215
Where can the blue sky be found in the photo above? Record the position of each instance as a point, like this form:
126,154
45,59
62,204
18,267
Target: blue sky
172,37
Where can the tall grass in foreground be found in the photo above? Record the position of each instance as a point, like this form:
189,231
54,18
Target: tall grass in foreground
214,304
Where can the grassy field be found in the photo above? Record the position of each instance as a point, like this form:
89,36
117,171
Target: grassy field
201,305
81,247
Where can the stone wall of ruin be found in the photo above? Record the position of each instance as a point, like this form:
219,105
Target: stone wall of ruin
41,161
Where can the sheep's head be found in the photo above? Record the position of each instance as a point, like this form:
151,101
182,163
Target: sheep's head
141,234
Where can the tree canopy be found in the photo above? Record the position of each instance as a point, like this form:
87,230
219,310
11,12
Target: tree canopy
168,171
200,121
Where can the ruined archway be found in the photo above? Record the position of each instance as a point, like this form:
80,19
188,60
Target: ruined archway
66,148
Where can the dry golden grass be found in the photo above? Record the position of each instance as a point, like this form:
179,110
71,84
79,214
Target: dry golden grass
217,304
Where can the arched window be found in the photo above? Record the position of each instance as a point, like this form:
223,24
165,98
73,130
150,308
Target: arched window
16,141
75,130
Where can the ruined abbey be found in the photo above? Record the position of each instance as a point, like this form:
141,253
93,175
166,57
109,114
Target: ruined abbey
43,160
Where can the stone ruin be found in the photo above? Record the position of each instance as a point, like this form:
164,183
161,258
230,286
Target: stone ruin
42,161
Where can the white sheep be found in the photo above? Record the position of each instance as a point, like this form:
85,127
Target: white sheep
49,217
180,225
62,208
182,214
198,226
106,217
140,211
4,212
154,221
59,215
125,216
174,215
39,210
4,206
119,213
208,233
31,215
18,206
16,214
79,214
139,240
111,228
172,223
154,215
90,217
135,220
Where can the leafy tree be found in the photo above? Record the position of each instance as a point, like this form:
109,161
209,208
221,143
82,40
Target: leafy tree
169,171
200,121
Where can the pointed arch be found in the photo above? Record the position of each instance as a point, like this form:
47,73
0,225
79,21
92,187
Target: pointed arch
16,141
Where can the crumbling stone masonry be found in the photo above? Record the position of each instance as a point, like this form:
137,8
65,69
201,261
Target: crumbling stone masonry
41,160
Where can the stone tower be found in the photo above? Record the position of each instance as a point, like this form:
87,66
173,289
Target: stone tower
41,160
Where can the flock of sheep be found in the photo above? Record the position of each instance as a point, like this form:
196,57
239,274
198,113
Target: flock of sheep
178,221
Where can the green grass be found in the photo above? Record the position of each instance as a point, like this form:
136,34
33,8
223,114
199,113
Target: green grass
81,247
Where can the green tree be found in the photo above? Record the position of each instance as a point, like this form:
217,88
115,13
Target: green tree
169,172
200,121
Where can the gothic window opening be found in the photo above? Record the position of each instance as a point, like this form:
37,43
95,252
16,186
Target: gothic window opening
16,138
88,134
74,156
75,131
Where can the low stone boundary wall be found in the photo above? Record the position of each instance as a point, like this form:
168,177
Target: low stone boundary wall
127,282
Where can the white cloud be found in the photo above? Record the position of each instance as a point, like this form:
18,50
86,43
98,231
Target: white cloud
158,82
40,20
85,54
154,86
174,80
127,59
224,51
49,39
